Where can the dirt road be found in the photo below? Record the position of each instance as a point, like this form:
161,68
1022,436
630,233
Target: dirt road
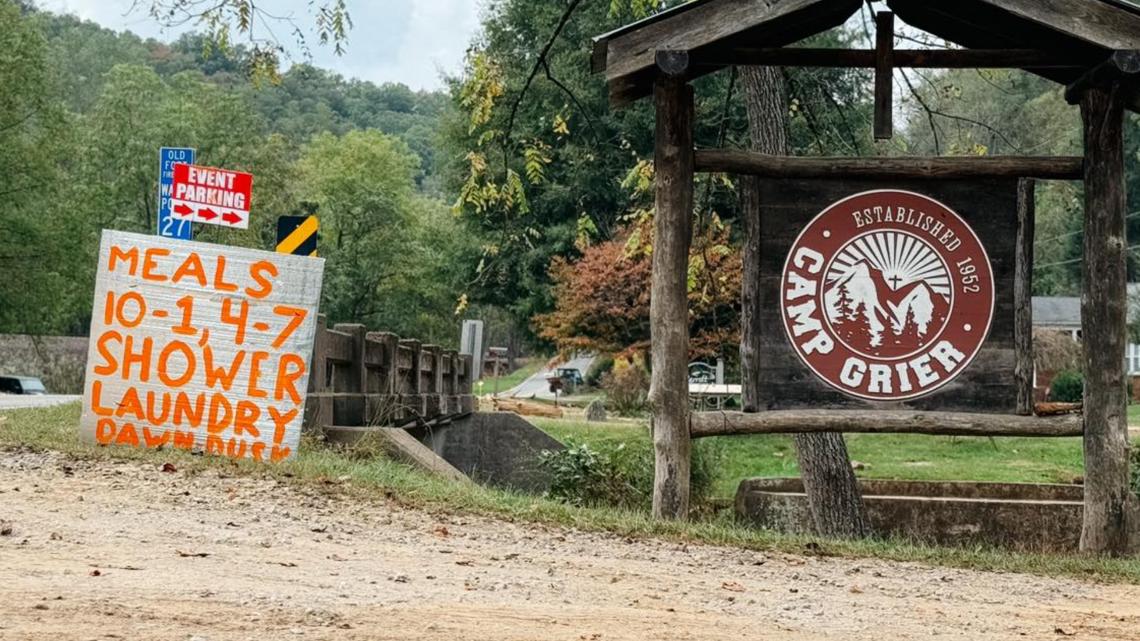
125,551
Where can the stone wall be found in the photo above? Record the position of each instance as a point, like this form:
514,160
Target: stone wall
1026,517
59,361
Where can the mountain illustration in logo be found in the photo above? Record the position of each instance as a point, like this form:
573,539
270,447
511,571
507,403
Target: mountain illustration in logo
873,317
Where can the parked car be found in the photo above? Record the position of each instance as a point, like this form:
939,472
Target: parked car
21,385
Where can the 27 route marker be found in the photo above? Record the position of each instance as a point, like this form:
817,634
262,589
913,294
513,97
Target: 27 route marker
211,195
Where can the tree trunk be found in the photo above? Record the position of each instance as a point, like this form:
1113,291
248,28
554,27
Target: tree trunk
832,491
1108,501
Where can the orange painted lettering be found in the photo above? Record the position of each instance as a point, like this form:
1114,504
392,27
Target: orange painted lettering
280,422
131,256
183,413
164,364
155,440
279,453
215,445
219,374
258,272
184,440
286,379
150,264
220,283
142,357
104,431
96,398
245,416
255,374
110,364
153,417
236,448
127,436
191,267
130,405
221,414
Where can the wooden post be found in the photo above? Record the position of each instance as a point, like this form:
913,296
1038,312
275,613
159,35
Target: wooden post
318,408
1104,303
352,411
884,75
669,305
413,400
1023,297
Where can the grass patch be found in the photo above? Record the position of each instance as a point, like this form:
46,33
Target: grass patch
507,381
885,456
372,476
1134,415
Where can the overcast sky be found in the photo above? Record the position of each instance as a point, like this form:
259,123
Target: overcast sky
408,41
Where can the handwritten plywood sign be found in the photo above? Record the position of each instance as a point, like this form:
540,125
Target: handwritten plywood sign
887,295
199,346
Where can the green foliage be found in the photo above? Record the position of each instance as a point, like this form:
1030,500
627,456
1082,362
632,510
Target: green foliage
601,366
627,389
84,109
620,475
225,19
1067,387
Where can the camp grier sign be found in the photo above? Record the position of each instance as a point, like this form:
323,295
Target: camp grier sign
888,295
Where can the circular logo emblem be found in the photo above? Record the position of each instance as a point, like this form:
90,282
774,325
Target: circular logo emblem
887,295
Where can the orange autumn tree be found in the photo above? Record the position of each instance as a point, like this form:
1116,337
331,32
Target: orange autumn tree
601,300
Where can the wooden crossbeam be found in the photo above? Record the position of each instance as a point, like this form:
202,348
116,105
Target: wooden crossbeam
1121,68
703,424
751,163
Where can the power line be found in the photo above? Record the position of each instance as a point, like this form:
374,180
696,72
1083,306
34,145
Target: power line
1133,214
1073,260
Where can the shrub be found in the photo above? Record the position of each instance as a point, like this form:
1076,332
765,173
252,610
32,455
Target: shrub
627,389
621,474
1067,387
601,366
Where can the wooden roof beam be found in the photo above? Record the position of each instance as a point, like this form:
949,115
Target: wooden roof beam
903,58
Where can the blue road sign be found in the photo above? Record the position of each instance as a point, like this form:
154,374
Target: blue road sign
169,227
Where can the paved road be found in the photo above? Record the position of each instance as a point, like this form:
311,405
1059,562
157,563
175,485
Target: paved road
537,386
16,401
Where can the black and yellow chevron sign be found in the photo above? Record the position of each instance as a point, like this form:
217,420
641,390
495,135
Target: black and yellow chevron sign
297,235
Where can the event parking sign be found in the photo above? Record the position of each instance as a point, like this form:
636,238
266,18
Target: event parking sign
199,346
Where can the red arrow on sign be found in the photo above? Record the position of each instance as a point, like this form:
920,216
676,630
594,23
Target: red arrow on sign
231,218
182,209
207,214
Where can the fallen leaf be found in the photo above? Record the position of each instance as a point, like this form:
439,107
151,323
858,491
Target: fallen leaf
336,557
1063,633
5,528
319,529
466,563
732,586
201,555
95,573
855,590
56,536
286,564
40,606
169,468
441,530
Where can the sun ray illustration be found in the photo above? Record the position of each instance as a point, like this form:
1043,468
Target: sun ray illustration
901,258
